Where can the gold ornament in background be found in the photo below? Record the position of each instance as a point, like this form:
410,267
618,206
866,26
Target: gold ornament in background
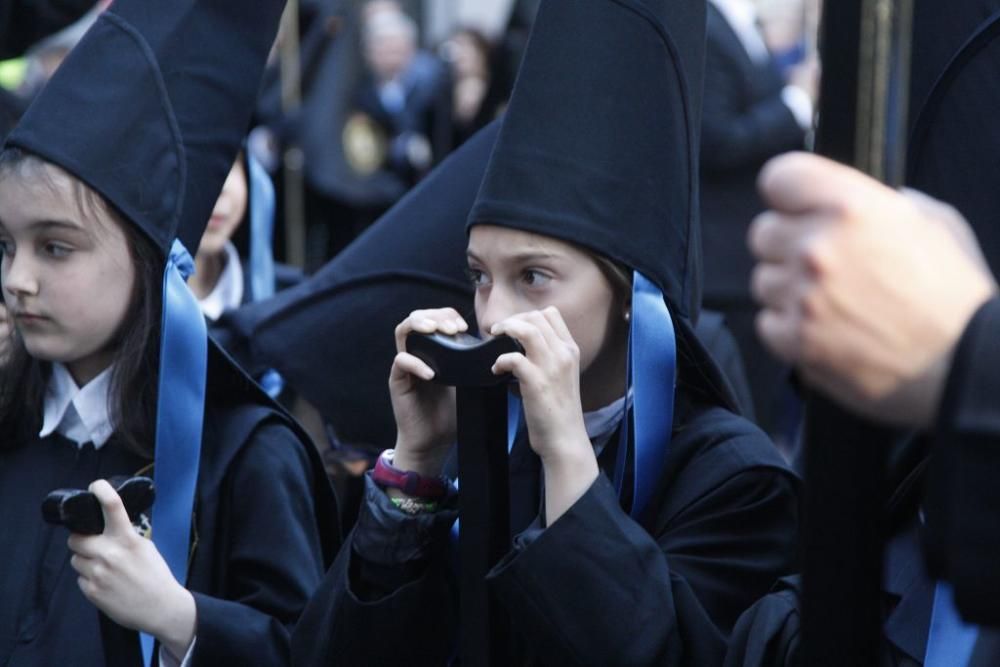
365,144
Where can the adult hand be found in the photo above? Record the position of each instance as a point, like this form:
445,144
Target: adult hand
125,576
424,412
548,375
866,289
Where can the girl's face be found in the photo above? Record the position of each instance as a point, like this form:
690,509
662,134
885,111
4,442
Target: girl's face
230,208
515,271
66,272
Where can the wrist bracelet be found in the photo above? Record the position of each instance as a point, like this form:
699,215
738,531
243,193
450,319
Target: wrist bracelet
409,482
414,505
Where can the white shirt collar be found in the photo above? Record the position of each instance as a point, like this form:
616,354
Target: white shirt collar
79,414
741,15
228,291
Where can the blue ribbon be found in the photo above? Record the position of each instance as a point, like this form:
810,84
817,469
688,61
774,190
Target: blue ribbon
652,379
262,274
951,640
179,416
261,231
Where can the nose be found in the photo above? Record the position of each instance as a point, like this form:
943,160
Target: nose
17,277
494,305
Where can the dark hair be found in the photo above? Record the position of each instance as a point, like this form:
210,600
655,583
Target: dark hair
693,380
134,378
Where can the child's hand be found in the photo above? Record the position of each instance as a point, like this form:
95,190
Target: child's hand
424,412
548,375
125,576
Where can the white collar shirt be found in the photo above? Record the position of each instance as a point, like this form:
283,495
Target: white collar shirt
228,291
77,413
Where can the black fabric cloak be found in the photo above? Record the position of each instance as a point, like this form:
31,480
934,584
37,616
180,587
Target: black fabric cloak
265,527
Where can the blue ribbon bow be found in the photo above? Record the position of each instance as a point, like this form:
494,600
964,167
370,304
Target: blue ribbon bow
179,416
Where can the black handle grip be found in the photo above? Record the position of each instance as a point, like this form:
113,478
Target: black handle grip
462,360
80,511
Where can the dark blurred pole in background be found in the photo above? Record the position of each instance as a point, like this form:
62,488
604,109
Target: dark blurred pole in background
293,157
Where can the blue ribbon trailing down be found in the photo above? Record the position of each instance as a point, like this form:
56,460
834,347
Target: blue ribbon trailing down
261,231
179,417
652,380
262,273
951,640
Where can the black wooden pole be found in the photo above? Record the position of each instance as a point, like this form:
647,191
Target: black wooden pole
484,521
864,47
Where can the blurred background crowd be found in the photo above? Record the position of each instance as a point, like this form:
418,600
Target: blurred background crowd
362,98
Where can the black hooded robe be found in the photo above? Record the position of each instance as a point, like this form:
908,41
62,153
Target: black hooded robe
264,529
594,588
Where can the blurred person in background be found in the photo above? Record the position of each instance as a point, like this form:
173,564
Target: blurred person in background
750,113
402,122
480,87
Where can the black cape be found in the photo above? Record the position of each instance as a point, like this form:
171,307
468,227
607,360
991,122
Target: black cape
265,528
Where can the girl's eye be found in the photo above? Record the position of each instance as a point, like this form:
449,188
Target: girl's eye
476,277
57,250
6,247
534,278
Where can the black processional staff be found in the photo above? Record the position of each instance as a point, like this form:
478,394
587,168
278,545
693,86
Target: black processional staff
465,362
865,49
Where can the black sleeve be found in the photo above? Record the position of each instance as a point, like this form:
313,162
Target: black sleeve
768,633
389,598
272,561
962,508
735,133
596,589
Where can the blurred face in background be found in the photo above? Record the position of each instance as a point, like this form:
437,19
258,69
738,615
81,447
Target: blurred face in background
467,56
390,42
230,209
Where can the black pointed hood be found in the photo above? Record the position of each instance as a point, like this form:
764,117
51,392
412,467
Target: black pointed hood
150,109
954,102
600,142
331,337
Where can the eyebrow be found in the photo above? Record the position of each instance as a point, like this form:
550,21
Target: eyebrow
523,258
57,224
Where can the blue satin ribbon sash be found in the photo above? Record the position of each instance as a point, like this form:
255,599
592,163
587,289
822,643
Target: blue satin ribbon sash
179,418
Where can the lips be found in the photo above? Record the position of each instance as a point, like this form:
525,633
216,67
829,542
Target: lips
24,317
